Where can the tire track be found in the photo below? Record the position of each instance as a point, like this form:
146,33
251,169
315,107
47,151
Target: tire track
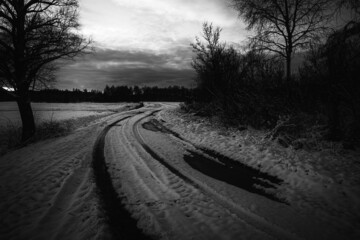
121,224
183,211
250,218
156,156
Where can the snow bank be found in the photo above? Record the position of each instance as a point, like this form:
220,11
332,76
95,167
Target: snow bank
325,183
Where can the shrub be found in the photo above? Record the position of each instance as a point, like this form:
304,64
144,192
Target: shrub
248,89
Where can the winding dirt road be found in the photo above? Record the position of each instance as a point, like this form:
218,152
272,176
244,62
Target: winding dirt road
176,190
128,177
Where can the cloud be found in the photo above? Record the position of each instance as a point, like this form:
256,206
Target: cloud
155,25
183,10
121,67
144,42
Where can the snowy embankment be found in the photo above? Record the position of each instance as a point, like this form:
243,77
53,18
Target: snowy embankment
323,183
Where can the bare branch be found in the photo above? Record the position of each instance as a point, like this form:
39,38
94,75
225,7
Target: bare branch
283,26
35,33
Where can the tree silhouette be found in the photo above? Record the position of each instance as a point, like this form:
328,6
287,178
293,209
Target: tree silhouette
34,34
342,54
283,26
215,63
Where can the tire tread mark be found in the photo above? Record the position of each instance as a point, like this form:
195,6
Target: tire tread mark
273,230
121,224
160,159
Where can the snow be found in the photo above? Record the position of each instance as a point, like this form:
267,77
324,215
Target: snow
166,205
9,114
48,191
324,184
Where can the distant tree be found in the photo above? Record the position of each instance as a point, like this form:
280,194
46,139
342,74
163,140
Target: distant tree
206,59
33,35
215,63
283,26
136,93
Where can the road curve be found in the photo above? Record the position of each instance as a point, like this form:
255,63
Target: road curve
175,190
152,184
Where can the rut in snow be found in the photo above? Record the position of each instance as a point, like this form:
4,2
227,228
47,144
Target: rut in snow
223,168
121,224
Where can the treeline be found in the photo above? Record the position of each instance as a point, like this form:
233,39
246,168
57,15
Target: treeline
110,94
250,88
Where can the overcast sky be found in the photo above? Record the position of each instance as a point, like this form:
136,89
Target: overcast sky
144,42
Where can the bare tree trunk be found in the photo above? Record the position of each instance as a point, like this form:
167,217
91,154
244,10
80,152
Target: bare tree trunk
27,117
288,67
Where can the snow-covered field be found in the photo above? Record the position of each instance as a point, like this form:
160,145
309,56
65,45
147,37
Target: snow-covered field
9,113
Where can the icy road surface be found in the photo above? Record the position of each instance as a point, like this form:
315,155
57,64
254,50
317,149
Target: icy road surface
128,177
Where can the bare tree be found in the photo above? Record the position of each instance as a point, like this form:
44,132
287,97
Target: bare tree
283,26
33,35
208,57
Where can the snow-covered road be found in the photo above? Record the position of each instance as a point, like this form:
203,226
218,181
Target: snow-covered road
178,191
127,176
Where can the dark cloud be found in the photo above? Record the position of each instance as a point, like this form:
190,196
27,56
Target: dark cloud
122,67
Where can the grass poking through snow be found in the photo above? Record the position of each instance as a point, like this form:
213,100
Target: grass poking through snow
10,135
